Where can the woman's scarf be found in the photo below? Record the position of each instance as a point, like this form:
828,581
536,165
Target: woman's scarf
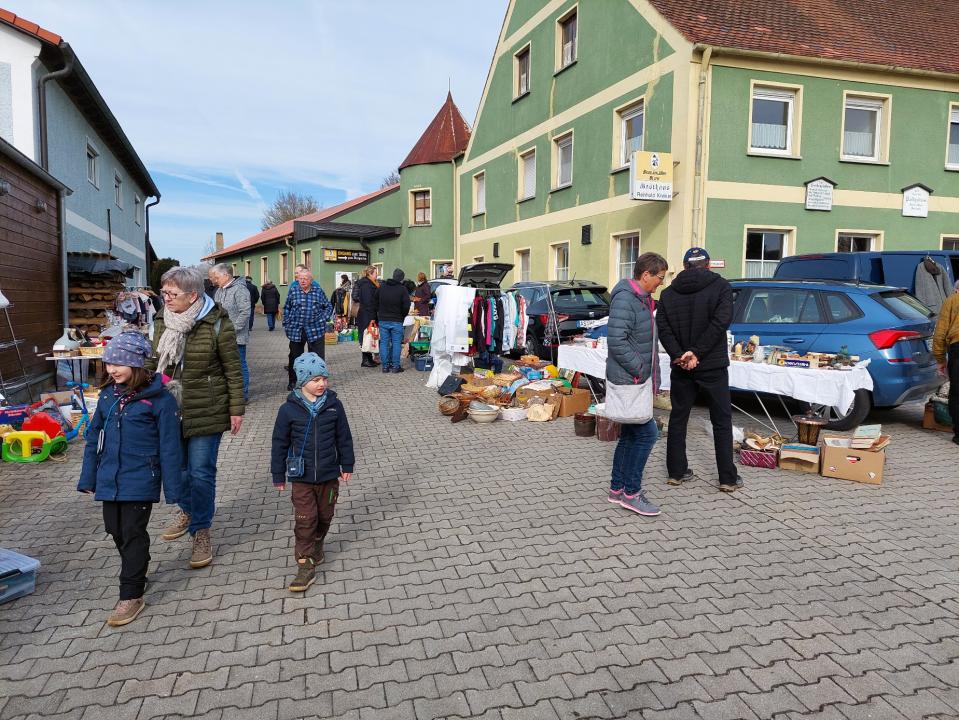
173,340
373,280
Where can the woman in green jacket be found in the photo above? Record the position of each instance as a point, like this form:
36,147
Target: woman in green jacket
194,343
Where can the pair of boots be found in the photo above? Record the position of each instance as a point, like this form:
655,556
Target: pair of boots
368,360
202,545
306,569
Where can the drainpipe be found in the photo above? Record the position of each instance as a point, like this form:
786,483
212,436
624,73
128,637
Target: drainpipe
699,186
109,233
42,101
64,272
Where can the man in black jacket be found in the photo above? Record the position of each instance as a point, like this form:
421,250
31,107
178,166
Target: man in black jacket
394,306
254,298
693,315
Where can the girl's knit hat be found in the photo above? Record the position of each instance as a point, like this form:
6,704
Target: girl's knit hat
130,348
308,366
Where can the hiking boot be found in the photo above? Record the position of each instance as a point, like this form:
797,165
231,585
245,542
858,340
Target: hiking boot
179,526
305,575
639,504
397,370
615,496
687,476
731,487
202,549
367,363
126,612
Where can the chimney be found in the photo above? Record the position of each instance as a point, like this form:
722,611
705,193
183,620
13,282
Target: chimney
219,242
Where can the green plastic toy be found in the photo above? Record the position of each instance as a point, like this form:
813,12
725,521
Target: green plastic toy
18,446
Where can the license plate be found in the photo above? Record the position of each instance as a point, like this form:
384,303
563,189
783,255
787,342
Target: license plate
582,323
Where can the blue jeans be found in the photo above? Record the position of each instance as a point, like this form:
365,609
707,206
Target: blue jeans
199,479
391,342
270,320
632,452
246,372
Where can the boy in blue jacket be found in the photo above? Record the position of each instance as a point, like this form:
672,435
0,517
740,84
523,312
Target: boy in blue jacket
313,449
133,446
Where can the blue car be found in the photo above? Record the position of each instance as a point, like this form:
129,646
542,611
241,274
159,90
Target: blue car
884,324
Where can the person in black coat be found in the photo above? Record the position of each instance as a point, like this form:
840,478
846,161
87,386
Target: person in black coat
393,309
271,303
254,298
692,317
366,298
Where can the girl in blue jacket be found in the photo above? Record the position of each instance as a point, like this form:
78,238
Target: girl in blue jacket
133,446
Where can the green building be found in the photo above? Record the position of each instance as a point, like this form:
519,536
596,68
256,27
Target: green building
785,134
408,225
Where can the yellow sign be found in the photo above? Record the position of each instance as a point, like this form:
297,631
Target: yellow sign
651,176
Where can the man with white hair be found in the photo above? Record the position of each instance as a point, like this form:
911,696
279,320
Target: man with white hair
233,296
305,314
945,348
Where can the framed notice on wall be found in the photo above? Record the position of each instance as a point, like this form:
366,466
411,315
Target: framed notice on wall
340,255
651,176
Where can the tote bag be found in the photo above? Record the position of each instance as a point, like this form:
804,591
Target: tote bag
632,404
371,338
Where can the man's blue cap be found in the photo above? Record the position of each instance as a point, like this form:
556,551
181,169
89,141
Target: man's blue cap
696,255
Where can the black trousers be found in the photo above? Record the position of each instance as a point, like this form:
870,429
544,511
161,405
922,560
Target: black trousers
683,389
127,523
298,348
952,370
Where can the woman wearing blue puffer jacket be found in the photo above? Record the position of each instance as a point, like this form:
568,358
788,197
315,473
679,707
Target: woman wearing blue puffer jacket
133,447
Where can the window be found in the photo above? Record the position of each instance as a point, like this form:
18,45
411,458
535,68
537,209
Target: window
137,210
840,308
627,252
567,40
233,265
862,129
93,165
950,243
308,260
855,242
441,268
561,262
579,300
522,265
780,305
422,214
521,65
903,305
284,269
632,121
952,154
764,250
248,268
479,193
264,270
118,190
563,147
771,129
527,175
379,269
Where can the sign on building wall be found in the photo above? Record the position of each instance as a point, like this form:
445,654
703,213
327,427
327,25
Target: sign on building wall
819,194
915,200
339,255
651,176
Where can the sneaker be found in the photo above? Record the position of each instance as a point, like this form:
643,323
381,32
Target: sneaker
397,370
615,496
179,526
202,549
305,575
126,612
687,476
639,504
386,368
732,487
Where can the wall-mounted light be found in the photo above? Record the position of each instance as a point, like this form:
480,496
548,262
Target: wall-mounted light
5,187
41,205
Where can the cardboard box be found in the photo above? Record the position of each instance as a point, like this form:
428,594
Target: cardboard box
577,402
799,458
841,461
525,392
929,420
60,397
758,458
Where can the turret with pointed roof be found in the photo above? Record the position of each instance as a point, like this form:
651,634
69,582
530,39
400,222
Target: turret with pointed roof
445,138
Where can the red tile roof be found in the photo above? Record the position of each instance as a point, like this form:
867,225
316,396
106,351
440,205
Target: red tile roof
918,34
286,228
444,139
31,28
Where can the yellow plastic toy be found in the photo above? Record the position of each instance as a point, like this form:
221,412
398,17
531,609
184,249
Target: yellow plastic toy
18,446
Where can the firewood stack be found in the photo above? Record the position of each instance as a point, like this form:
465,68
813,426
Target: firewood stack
89,299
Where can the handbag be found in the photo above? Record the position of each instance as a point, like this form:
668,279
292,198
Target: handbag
371,338
633,404
294,463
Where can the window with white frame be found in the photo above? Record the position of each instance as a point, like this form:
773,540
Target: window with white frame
561,262
862,129
522,258
233,266
627,252
567,39
527,178
248,268
93,165
137,210
479,193
521,62
950,243
264,270
564,160
772,121
422,212
308,260
952,159
857,242
764,250
118,190
632,123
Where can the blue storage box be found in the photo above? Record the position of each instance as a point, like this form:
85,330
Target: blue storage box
18,575
424,363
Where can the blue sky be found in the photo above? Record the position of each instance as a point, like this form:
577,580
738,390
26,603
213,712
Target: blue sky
229,103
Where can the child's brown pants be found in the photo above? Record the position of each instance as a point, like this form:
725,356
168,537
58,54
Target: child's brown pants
313,507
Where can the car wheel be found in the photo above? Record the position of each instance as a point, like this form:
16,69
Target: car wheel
534,346
847,419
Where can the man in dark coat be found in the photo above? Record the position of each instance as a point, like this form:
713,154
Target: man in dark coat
271,303
393,309
254,298
693,316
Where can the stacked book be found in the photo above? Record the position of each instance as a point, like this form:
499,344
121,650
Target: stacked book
869,437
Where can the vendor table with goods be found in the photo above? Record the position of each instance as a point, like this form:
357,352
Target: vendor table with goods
820,386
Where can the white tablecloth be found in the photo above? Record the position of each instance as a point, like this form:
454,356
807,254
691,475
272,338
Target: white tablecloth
836,388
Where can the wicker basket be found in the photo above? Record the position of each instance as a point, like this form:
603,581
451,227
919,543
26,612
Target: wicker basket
95,351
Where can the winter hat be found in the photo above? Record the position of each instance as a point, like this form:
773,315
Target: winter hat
129,348
308,366
695,255
399,275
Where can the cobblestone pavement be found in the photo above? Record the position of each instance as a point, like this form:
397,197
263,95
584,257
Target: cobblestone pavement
478,571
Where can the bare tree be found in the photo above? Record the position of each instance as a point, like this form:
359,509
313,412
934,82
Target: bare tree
288,206
392,179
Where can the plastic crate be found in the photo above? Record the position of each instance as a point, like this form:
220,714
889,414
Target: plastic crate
18,575
424,364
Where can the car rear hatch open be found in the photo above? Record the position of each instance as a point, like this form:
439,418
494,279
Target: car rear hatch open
484,275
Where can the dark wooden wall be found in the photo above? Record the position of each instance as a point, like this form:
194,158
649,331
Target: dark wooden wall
29,270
